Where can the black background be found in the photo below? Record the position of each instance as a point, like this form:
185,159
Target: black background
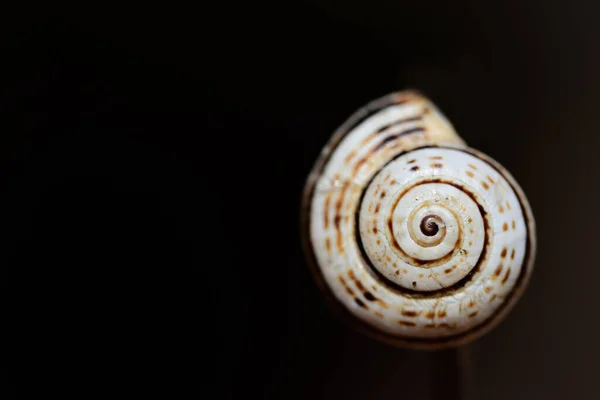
154,163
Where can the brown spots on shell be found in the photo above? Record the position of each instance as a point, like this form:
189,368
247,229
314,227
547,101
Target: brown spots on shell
446,325
492,298
357,282
485,185
345,285
406,323
472,166
505,227
328,245
377,207
358,165
473,314
442,314
472,304
386,177
395,265
514,225
388,259
470,174
437,165
415,168
412,161
506,276
361,303
436,158
383,193
421,275
500,209
498,270
369,296
375,230
326,211
414,284
397,272
404,271
411,313
376,190
392,182
370,207
336,220
488,289
448,270
378,314
350,156
346,219
508,205
378,242
512,254
471,242
504,252
490,179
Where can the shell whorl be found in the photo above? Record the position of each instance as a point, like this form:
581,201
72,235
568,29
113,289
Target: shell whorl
418,239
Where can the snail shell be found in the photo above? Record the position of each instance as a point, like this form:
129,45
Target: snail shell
417,239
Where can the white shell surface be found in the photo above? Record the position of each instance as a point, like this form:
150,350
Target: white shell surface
389,174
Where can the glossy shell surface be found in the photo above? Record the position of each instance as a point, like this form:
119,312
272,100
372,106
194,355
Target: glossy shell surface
416,239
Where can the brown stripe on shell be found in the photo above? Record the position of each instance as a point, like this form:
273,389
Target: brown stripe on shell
396,136
406,323
386,127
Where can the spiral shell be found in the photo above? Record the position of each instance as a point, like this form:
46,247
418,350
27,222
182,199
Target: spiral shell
419,240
